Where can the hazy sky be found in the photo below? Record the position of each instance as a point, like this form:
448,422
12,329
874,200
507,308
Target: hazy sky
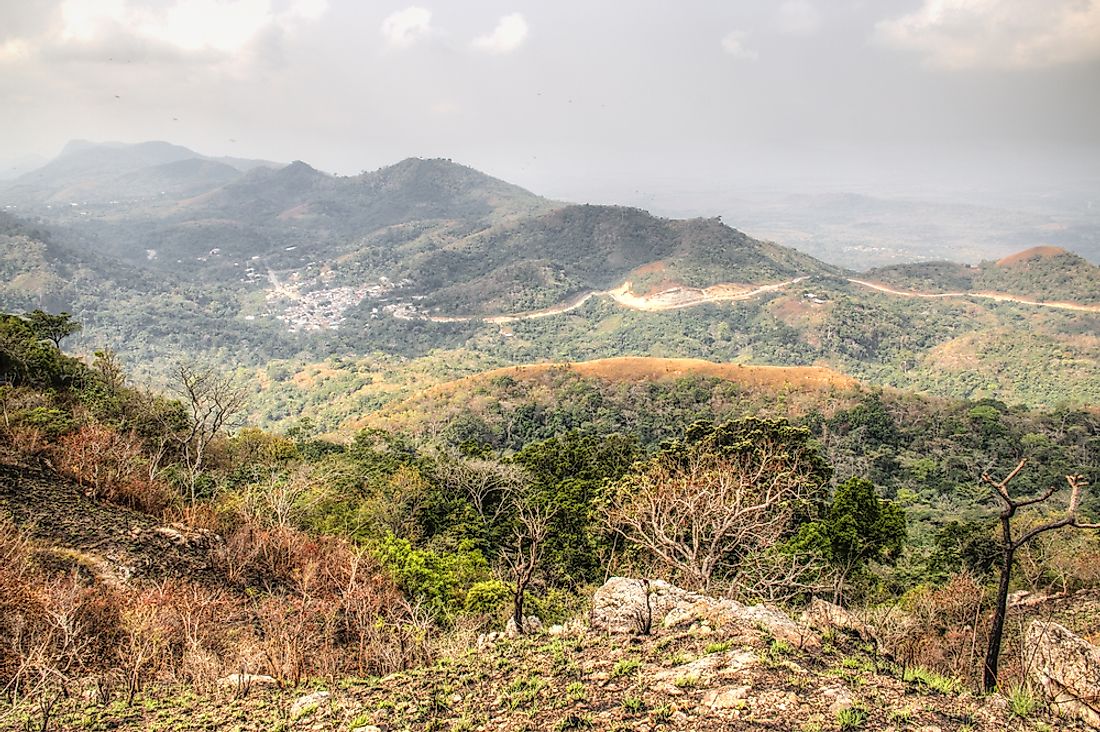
564,95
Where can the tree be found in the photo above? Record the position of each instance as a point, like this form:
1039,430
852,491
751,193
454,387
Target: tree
213,403
52,328
1010,545
571,472
858,527
705,504
523,554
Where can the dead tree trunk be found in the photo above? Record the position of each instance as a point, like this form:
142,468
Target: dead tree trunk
1010,545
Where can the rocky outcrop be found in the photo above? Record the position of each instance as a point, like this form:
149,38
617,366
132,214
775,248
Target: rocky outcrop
639,606
1067,667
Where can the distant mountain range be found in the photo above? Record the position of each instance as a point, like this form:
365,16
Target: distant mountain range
91,173
160,250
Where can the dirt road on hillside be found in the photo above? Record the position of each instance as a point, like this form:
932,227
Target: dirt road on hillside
999,296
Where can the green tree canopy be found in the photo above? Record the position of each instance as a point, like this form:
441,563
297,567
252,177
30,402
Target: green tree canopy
52,328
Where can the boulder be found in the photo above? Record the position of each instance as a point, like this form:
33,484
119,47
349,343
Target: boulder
304,705
627,605
823,615
1067,667
531,624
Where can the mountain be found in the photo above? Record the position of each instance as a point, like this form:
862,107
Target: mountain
37,270
455,270
97,173
542,261
1042,273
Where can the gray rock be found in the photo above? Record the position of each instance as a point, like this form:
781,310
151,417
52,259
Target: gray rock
627,605
531,624
306,704
1067,667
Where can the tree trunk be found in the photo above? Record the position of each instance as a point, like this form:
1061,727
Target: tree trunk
996,633
517,610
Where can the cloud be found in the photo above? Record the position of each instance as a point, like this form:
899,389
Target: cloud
798,18
405,27
509,34
225,26
997,34
179,31
733,43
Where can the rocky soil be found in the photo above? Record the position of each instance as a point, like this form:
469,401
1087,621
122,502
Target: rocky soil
709,667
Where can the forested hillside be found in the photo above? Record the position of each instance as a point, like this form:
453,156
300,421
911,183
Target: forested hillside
1042,273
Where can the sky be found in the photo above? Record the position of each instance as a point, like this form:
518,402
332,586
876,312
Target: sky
574,99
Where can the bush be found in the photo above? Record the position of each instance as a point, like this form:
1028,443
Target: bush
111,467
488,598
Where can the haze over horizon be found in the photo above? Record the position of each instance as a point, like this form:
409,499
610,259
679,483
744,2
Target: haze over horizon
575,101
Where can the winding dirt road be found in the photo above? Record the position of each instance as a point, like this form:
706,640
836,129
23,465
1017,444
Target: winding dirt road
999,296
688,297
673,299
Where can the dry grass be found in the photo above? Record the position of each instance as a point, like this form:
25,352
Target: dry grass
640,368
1040,252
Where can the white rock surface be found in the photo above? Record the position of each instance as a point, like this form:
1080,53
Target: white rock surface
1067,667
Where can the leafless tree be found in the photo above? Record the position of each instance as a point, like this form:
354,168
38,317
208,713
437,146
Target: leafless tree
523,554
487,484
1010,544
696,514
284,498
213,402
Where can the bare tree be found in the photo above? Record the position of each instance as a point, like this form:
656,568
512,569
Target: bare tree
1010,545
523,554
213,402
487,484
698,513
284,498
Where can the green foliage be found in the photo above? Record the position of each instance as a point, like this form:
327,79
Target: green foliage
570,473
932,680
52,328
625,667
26,358
964,545
441,579
1022,701
851,718
858,527
490,597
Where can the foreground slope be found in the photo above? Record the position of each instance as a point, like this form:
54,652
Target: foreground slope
107,543
709,678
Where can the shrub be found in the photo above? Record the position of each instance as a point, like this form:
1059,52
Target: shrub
111,467
488,598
